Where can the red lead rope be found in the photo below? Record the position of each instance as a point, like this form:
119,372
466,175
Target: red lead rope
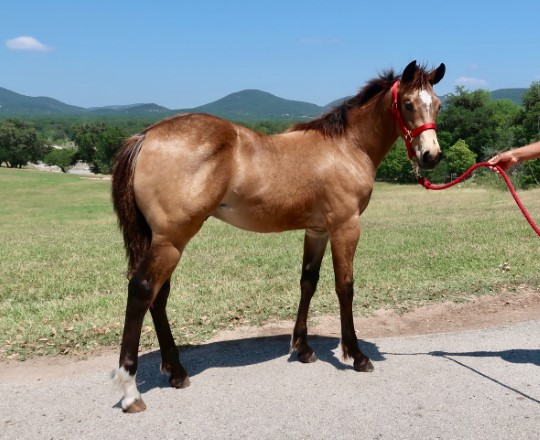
428,185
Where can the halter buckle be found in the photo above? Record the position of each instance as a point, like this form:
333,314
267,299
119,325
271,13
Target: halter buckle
408,136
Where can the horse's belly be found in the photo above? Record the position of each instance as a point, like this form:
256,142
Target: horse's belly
257,219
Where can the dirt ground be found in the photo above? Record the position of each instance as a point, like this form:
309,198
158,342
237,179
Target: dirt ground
477,313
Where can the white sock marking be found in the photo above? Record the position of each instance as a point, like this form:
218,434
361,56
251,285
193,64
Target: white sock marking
126,382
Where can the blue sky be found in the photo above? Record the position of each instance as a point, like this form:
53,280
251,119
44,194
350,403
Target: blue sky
182,54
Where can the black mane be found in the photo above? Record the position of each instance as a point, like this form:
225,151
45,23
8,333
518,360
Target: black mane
334,122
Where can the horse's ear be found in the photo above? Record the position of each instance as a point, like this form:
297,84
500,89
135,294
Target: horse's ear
437,74
408,73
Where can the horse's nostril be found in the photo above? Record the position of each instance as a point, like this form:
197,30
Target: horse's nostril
428,158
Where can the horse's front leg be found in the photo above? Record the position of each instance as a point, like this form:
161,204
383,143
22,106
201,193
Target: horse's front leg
343,242
314,248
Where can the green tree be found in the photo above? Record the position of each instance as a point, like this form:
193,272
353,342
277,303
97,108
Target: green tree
61,157
97,144
107,145
470,116
528,173
529,117
459,158
396,166
20,144
86,137
507,131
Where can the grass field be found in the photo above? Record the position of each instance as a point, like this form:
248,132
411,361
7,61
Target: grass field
63,288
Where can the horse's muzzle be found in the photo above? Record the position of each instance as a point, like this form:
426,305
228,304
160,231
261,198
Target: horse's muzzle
430,160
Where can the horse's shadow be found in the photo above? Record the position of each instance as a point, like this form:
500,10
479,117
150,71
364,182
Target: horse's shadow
241,353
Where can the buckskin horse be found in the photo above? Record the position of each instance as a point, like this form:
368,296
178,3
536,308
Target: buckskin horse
317,176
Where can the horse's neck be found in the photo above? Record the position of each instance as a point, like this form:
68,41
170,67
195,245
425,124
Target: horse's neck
373,129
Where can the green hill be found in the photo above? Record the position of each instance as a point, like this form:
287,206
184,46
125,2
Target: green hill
14,104
132,110
337,102
515,95
255,105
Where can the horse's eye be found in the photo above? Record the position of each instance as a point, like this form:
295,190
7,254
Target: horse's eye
409,106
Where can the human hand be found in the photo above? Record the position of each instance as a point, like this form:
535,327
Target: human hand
505,160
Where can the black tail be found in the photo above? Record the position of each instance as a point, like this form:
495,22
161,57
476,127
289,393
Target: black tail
137,233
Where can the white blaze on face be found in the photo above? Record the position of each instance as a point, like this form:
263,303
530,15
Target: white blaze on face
425,96
427,139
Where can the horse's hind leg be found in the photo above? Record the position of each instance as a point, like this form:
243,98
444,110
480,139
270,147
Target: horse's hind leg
143,290
314,247
170,363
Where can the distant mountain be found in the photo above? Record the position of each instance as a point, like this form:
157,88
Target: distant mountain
515,95
115,107
132,110
337,102
13,104
246,105
254,105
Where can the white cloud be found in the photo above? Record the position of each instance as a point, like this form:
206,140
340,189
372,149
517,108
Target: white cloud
26,43
474,83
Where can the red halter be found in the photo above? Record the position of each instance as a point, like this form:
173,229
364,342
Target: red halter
407,134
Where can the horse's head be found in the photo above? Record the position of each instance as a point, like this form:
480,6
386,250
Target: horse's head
415,107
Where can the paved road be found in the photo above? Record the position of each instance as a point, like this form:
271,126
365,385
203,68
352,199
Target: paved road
471,385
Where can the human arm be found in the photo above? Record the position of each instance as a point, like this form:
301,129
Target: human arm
508,159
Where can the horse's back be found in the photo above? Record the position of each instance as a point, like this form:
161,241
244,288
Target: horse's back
191,131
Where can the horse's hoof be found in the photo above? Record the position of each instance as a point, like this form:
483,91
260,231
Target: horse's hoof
180,382
308,357
364,366
135,407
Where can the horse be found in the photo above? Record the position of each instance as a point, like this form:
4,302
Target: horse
317,176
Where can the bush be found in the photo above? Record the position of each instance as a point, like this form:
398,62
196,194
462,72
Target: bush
61,157
459,158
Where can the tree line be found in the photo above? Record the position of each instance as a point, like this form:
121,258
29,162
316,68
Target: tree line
472,127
